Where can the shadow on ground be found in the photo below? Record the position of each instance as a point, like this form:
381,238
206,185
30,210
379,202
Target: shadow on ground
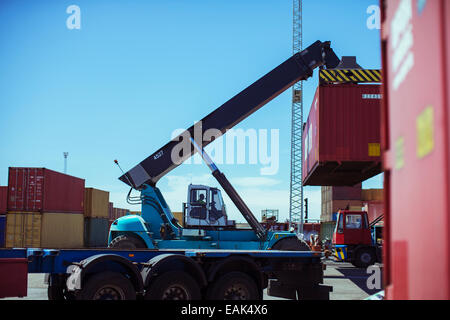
360,278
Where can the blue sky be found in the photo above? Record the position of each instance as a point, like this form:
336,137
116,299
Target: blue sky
137,70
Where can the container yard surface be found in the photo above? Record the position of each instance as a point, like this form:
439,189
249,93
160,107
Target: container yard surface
348,283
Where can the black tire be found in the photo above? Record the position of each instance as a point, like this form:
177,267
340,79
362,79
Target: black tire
127,242
56,293
173,285
291,244
107,286
364,257
57,289
234,286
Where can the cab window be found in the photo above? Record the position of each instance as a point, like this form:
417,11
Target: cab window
353,221
340,224
198,197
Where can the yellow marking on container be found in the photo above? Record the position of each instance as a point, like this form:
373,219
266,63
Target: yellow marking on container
365,76
372,74
399,153
378,73
374,150
326,75
358,76
350,75
425,132
342,73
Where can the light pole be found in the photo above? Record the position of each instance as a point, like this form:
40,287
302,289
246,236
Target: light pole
66,154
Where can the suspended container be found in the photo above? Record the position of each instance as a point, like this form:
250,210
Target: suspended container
341,137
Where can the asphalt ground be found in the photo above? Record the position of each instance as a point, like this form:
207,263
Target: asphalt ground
348,282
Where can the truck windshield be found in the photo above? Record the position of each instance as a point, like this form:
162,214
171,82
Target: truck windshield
353,221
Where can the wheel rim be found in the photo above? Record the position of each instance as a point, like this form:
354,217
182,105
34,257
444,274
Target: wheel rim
109,292
175,292
366,257
236,291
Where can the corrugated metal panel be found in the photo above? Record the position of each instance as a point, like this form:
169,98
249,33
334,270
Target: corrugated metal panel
23,230
62,230
326,230
96,203
374,209
2,230
40,189
96,232
3,199
342,135
111,211
341,193
418,127
372,194
179,217
333,206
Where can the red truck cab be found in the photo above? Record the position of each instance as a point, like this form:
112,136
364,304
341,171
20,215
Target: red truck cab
352,228
352,239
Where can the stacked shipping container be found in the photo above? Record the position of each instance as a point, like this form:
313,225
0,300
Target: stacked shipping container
373,203
44,209
179,216
96,217
44,190
353,198
3,208
339,198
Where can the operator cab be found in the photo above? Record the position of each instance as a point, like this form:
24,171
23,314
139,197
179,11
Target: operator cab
205,208
352,227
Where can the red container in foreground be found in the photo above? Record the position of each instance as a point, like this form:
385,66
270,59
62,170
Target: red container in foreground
3,199
13,277
44,190
416,146
342,135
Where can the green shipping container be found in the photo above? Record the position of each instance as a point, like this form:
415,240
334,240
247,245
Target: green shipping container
326,230
96,232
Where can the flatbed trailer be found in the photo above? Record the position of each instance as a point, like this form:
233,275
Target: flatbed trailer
187,274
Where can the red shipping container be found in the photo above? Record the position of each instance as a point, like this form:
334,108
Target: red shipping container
374,209
342,135
416,131
44,190
345,193
3,199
